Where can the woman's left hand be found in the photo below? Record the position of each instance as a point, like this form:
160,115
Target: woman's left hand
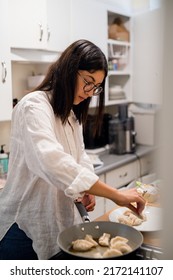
88,201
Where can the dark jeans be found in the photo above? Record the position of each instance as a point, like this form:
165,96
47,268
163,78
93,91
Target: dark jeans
15,245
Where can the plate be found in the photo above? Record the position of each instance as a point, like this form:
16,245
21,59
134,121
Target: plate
152,223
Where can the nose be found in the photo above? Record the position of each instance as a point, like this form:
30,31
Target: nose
89,93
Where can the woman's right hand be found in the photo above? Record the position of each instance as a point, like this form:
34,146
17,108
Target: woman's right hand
131,199
128,198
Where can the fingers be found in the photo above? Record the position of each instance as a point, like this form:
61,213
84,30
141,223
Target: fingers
140,205
90,206
89,202
136,202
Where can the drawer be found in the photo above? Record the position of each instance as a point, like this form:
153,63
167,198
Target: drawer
122,175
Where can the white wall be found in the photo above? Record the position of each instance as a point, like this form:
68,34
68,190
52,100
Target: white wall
166,131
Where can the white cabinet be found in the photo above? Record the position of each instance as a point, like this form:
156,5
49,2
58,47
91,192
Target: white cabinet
139,75
100,205
146,164
5,65
40,24
148,57
88,21
122,175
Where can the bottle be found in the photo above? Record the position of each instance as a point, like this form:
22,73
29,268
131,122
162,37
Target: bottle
3,160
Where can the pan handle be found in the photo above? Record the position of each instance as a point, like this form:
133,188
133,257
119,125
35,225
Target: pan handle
82,210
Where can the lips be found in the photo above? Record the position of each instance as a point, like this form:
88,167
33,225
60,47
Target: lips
82,98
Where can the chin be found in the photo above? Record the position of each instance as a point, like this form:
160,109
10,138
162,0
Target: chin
76,102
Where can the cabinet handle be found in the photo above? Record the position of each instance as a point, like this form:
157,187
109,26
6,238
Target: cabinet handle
41,32
4,72
48,33
123,175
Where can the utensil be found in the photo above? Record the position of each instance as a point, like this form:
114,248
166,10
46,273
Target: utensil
96,229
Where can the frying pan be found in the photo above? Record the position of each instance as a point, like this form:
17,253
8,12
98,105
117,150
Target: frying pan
96,229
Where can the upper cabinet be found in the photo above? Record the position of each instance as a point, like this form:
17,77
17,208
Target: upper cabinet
40,24
148,57
88,21
5,66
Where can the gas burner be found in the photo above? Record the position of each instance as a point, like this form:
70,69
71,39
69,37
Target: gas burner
149,252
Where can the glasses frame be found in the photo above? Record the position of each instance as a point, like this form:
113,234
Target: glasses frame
98,88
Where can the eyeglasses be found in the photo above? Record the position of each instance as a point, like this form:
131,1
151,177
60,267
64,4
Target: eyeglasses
90,86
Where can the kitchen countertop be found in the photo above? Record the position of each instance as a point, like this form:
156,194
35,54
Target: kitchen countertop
113,161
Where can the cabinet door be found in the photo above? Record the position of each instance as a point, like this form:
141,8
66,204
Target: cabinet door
146,164
27,20
148,41
58,24
40,24
100,205
5,66
88,21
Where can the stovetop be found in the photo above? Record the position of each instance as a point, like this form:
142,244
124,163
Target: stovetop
144,252
148,252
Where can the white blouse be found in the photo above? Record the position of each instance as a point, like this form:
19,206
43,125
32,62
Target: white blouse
48,169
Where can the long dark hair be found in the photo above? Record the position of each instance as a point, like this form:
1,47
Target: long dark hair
61,80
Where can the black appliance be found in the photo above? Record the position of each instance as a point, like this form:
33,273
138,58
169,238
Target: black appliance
122,132
102,140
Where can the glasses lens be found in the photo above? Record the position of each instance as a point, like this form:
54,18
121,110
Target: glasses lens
89,87
97,91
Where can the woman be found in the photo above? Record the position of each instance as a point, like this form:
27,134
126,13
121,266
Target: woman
48,167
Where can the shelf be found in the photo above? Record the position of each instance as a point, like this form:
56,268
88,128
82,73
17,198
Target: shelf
33,56
120,43
119,73
119,54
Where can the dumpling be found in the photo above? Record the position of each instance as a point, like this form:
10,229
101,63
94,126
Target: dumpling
125,248
111,253
97,255
136,220
131,219
125,220
121,246
104,239
114,240
82,245
89,238
129,213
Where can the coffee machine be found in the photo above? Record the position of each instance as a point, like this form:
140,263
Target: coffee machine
122,132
